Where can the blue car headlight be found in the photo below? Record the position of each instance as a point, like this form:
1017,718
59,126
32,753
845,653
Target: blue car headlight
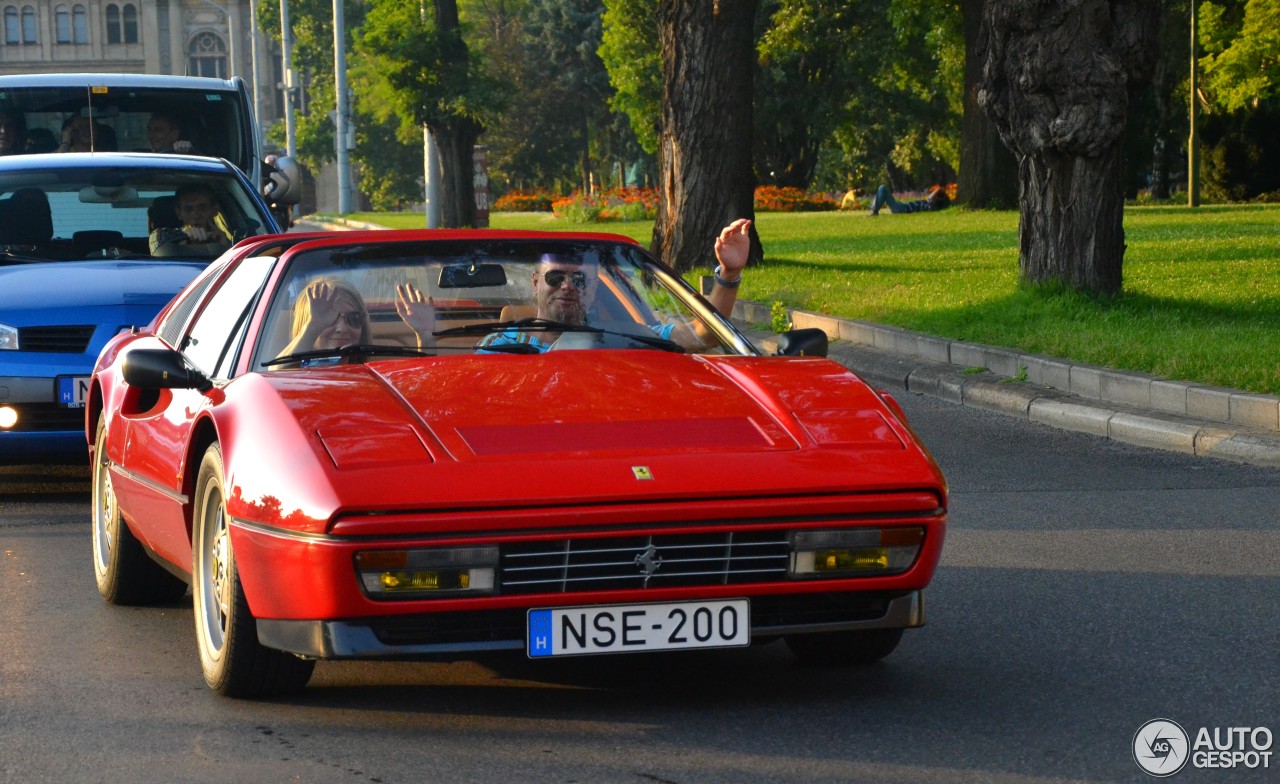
8,338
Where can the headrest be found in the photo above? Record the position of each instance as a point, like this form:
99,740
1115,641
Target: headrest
25,218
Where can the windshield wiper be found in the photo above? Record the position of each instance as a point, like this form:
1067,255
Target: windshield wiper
357,350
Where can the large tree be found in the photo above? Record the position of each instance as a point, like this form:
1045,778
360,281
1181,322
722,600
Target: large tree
419,50
705,178
1057,81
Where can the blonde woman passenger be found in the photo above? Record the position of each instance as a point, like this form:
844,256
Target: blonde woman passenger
331,313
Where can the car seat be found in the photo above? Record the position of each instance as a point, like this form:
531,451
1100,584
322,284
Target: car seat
163,213
25,218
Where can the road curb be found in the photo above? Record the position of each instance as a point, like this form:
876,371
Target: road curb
1129,407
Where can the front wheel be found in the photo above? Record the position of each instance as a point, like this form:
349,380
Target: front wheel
235,664
125,574
835,649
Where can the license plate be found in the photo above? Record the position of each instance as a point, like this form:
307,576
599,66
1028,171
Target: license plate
72,391
627,628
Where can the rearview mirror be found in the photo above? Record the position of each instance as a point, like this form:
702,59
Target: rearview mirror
161,368
810,342
470,276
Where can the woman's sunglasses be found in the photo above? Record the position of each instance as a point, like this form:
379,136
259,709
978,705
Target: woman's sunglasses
555,279
354,319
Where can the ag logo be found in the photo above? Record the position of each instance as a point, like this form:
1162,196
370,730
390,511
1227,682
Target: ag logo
1160,747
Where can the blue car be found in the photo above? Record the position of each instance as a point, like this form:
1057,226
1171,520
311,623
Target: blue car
92,244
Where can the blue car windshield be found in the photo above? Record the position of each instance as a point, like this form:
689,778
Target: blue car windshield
65,213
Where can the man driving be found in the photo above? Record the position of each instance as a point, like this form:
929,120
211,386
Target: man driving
564,288
201,233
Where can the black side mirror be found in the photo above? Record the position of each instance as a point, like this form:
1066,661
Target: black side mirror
161,368
810,342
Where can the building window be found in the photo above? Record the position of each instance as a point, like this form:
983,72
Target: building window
62,24
20,28
122,24
12,33
80,24
113,24
207,56
71,26
130,23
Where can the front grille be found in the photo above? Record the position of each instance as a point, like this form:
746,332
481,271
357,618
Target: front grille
626,562
45,418
57,340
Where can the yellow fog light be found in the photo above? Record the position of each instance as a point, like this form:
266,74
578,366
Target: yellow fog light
425,573
8,417
849,552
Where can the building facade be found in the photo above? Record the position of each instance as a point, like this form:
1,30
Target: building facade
182,37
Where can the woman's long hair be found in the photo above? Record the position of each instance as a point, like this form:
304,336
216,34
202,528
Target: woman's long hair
302,308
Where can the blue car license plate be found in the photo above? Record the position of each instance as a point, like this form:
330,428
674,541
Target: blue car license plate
625,628
72,391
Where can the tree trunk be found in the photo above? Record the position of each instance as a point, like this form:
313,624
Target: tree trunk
456,144
455,137
1057,82
1071,230
988,170
704,155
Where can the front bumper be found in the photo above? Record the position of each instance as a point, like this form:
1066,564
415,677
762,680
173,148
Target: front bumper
45,431
443,635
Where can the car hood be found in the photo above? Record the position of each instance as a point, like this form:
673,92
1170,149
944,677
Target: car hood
70,291
575,427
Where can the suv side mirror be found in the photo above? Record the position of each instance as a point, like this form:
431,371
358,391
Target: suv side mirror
283,181
810,342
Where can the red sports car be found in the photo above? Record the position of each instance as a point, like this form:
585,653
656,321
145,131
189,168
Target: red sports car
432,444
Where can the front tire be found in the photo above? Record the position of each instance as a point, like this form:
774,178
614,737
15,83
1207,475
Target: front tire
125,574
841,649
234,663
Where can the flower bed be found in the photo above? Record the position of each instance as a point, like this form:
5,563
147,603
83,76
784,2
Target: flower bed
524,201
770,198
618,204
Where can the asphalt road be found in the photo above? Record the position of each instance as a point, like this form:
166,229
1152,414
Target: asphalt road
1087,587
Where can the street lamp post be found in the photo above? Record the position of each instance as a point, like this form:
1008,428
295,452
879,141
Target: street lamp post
1193,141
342,120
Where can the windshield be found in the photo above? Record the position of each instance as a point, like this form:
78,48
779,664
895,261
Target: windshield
492,297
127,119
75,212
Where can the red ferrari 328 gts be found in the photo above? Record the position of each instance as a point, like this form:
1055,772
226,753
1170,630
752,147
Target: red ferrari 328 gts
431,444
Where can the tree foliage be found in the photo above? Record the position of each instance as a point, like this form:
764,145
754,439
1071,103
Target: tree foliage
419,57
1241,61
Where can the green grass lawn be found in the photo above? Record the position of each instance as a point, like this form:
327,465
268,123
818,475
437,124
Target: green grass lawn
1201,287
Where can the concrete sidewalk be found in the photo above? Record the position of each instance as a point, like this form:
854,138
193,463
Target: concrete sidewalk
1135,408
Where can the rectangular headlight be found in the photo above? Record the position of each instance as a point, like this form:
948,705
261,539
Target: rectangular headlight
854,552
8,338
421,574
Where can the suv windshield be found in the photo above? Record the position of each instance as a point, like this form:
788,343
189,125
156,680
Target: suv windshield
88,118
76,212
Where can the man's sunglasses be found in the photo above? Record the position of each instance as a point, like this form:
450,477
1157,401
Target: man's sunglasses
555,279
354,319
